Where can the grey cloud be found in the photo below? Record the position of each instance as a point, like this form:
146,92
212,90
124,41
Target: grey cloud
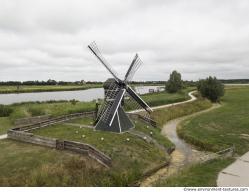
47,39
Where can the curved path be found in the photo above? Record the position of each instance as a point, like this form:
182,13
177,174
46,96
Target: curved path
184,153
190,94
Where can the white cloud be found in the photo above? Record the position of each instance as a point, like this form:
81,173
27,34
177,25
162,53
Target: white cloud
44,39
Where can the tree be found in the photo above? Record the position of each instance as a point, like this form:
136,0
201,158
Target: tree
174,83
211,88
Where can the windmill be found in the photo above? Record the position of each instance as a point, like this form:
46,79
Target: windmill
111,116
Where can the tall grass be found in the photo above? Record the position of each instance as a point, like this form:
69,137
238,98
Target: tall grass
5,111
222,127
199,175
163,115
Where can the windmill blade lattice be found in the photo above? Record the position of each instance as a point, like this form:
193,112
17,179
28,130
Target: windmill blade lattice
111,116
110,95
94,48
131,105
134,67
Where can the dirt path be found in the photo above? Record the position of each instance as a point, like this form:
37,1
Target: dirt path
184,153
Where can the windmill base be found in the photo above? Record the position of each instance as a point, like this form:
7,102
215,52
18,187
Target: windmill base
121,123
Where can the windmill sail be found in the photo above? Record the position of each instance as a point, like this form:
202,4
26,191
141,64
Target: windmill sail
93,47
111,116
139,100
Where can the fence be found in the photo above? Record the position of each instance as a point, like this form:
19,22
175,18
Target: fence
77,147
87,149
143,118
52,121
21,133
31,138
31,120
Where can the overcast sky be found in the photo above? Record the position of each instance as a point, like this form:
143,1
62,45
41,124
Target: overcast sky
42,39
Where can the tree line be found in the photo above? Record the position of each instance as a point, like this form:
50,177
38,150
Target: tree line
48,82
210,88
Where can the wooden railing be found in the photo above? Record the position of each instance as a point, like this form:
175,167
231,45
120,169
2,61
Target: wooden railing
143,118
22,133
52,121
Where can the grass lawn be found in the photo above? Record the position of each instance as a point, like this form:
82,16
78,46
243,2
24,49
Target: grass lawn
30,165
156,133
199,175
5,124
163,115
43,88
124,153
83,121
130,159
163,98
222,127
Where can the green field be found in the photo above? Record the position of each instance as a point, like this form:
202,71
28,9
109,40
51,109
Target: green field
43,88
129,162
163,98
115,145
36,109
214,131
222,127
30,165
199,175
163,115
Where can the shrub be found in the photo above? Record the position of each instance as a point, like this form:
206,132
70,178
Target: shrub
73,101
36,111
5,111
211,88
174,83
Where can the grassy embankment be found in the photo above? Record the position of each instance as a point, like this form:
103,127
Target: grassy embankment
213,131
129,161
44,88
222,127
200,175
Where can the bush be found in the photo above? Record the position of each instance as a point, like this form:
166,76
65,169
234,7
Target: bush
211,88
174,83
36,111
73,101
5,111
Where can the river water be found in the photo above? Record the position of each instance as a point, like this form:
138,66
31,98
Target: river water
82,95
